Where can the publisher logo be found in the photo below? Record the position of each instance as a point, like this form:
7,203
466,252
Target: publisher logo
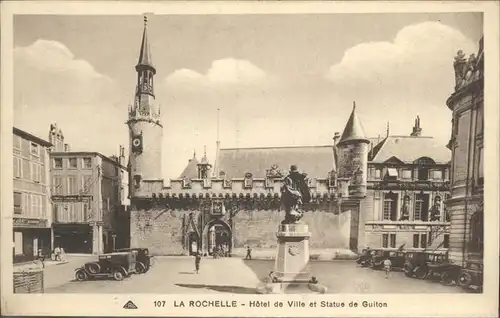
130,305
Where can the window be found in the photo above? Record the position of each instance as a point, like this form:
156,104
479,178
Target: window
18,243
378,173
87,163
36,172
476,232
415,240
423,174
390,200
385,240
437,174
16,142
393,240
72,188
57,187
86,183
18,167
423,240
36,205
480,171
73,164
18,203
406,174
35,149
58,163
421,207
420,240
446,241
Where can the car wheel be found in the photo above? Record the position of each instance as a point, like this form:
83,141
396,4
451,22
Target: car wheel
465,279
447,278
140,268
118,274
81,275
422,273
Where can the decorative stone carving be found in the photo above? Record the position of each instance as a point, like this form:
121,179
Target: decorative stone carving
275,172
186,183
248,183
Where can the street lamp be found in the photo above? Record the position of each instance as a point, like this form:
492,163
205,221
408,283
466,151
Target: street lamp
114,241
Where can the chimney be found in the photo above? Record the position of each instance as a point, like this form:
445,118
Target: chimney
66,148
121,158
417,131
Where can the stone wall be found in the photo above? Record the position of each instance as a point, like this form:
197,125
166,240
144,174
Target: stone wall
162,230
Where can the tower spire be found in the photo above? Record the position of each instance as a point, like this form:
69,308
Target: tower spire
145,52
353,130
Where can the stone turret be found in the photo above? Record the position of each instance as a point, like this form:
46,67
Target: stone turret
204,167
353,151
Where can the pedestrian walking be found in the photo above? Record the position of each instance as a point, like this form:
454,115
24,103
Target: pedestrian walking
387,267
249,253
197,261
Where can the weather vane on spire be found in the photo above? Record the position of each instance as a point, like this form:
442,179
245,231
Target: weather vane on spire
145,20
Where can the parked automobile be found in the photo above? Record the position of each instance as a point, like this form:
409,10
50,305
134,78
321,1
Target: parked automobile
113,265
440,267
417,263
365,253
471,275
397,259
144,260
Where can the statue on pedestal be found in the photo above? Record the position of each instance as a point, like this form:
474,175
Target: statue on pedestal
294,193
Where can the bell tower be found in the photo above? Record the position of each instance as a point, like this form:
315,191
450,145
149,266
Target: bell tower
144,122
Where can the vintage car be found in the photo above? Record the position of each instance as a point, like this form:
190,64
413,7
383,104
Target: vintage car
417,263
396,257
471,275
367,255
440,267
113,265
144,260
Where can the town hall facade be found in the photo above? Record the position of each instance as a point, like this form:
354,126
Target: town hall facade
376,192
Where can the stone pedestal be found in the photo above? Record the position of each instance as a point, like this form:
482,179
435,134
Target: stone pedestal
292,261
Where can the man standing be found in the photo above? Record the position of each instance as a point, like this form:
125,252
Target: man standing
197,261
249,253
387,267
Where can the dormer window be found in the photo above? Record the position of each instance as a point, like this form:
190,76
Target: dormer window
423,174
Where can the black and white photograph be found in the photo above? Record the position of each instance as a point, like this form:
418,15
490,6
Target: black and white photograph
263,155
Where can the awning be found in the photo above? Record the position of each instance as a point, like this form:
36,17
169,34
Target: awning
392,172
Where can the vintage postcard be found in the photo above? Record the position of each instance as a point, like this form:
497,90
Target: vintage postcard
250,158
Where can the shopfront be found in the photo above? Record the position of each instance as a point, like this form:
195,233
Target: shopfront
29,237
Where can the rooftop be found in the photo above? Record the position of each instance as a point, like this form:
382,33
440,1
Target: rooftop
28,136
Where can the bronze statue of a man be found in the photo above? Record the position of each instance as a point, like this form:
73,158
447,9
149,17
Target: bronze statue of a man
294,193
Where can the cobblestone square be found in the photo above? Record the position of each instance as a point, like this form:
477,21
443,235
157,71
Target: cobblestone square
175,275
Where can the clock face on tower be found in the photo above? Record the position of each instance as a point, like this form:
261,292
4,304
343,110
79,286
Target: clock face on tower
137,144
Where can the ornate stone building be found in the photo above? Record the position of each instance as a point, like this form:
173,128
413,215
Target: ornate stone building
466,144
238,202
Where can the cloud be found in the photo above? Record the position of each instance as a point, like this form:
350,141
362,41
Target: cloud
227,71
47,72
420,55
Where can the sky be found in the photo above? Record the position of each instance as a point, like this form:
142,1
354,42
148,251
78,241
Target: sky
278,80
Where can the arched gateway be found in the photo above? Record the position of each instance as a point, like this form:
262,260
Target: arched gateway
216,233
